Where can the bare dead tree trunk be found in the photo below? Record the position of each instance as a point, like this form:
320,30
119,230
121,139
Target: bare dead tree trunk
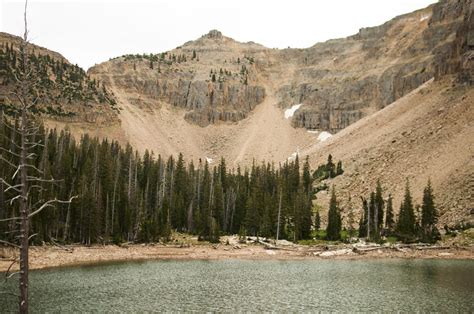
279,213
24,210
114,193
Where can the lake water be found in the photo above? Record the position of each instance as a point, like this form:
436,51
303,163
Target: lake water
323,285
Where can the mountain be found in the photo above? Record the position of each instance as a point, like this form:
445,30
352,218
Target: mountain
215,96
64,91
397,97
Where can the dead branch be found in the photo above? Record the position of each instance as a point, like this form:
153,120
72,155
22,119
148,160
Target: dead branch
9,243
61,246
50,204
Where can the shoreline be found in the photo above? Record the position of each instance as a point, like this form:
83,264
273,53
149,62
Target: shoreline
46,257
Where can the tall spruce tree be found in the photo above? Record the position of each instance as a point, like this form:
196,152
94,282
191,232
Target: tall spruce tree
379,204
389,218
350,218
330,167
429,216
406,217
333,231
317,221
363,222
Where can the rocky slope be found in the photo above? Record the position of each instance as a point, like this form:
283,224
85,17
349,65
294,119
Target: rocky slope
428,134
338,82
399,96
210,78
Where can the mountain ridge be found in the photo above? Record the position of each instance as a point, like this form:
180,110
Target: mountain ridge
216,97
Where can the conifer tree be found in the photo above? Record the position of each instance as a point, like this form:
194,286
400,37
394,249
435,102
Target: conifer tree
350,218
333,231
317,221
406,217
330,167
389,219
429,215
379,204
363,223
339,169
373,231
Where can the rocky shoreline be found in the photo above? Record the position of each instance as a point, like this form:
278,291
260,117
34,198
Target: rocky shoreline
48,256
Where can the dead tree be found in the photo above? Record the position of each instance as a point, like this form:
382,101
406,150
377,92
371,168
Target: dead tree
27,178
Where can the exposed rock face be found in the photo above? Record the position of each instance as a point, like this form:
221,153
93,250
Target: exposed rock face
342,80
210,78
456,57
338,82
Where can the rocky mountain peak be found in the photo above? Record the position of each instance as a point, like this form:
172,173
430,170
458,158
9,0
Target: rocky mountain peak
214,34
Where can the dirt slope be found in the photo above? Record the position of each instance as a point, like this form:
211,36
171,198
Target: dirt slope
264,135
428,134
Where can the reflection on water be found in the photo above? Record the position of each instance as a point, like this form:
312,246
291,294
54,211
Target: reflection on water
327,285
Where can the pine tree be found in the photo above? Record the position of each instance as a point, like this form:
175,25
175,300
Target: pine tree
333,231
429,216
389,220
339,169
317,221
406,217
379,204
330,167
307,181
350,218
363,223
373,231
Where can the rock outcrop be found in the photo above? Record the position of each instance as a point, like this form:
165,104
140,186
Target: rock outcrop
210,78
216,78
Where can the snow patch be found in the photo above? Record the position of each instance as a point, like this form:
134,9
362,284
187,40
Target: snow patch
324,136
293,156
425,17
290,112
209,160
313,131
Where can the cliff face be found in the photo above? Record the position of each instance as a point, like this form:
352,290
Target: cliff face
215,78
340,81
210,78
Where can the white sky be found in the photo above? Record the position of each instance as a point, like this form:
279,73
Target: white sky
88,32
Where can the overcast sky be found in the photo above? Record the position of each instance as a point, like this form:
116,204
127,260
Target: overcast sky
91,31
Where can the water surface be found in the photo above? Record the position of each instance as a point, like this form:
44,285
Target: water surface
323,285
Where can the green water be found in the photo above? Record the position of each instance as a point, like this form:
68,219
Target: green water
328,285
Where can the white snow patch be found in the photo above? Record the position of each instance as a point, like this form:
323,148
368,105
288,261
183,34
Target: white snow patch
324,136
290,112
425,17
293,156
209,160
313,131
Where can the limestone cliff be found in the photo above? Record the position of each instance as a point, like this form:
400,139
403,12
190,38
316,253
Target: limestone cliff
216,78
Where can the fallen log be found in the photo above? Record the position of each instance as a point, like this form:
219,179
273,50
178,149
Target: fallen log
433,247
70,250
368,249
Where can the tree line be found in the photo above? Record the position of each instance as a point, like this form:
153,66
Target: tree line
414,223
125,196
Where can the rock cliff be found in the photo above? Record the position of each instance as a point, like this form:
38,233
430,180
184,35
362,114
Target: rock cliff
216,78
